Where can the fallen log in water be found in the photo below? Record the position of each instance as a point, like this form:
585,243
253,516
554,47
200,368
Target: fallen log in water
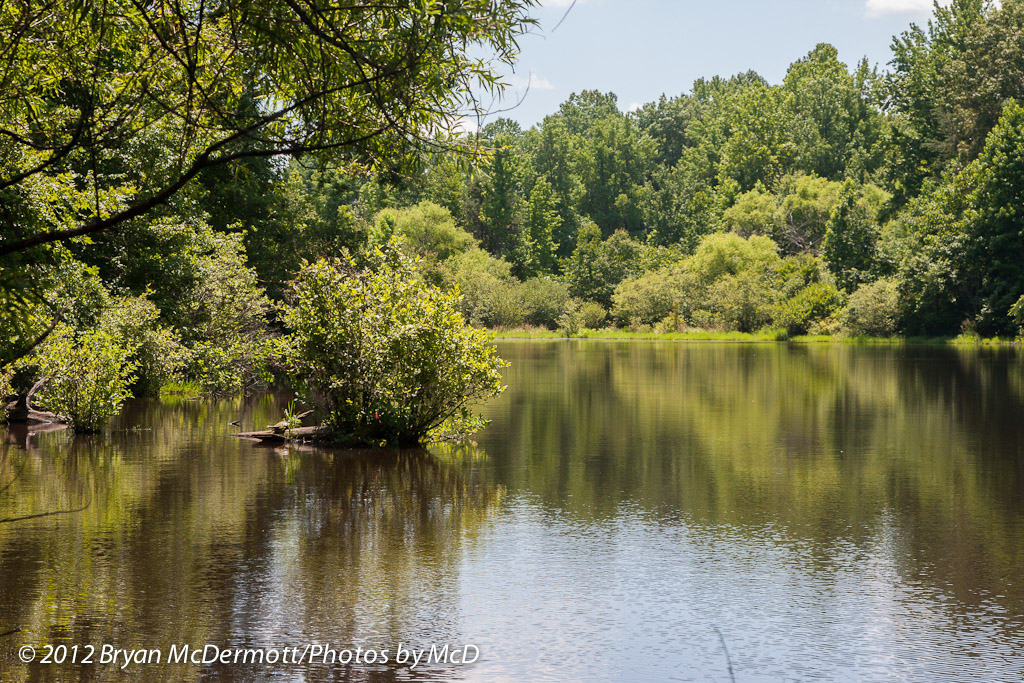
21,410
274,436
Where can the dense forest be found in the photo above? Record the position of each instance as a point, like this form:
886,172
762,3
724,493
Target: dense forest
844,200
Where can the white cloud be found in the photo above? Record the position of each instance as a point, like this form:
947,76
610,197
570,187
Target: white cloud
533,81
465,125
634,106
877,8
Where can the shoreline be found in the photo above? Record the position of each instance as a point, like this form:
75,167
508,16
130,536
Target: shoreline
763,337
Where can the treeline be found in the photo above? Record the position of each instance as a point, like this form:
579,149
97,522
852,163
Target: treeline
838,201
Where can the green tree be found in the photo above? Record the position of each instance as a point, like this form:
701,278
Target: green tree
759,147
916,91
833,126
544,223
596,267
850,238
555,161
582,111
961,241
614,160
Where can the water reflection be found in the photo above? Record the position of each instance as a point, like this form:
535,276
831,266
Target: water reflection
836,512
189,536
831,476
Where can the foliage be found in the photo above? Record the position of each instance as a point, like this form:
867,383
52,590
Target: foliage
544,299
570,322
188,88
850,238
89,376
481,280
592,315
157,355
427,230
741,301
654,296
291,417
961,240
389,358
597,266
873,310
725,254
809,308
222,319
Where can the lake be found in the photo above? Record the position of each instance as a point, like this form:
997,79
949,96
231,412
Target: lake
636,511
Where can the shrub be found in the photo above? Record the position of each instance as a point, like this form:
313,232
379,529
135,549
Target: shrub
89,376
158,353
544,299
6,374
671,291
1016,314
480,279
722,254
645,299
873,310
426,230
740,302
596,267
389,358
808,307
507,307
570,322
592,315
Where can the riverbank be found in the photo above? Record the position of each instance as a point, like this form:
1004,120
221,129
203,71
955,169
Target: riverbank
762,336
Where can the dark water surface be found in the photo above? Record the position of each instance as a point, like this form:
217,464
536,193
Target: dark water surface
833,512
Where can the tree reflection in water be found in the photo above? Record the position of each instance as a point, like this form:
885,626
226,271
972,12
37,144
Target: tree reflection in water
194,537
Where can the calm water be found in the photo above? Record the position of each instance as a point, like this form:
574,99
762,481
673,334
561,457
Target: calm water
826,513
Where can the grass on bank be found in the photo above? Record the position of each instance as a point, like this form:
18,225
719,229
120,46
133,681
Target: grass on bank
761,336
181,390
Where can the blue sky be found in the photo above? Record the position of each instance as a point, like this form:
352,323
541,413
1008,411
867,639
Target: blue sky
639,49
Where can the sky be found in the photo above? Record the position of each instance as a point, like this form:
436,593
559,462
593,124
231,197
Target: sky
641,49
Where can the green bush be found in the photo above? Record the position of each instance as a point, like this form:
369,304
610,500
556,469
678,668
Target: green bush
808,307
873,310
389,358
158,353
722,254
741,302
644,299
507,306
570,322
427,230
89,376
481,280
544,299
1016,314
654,296
592,315
6,374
